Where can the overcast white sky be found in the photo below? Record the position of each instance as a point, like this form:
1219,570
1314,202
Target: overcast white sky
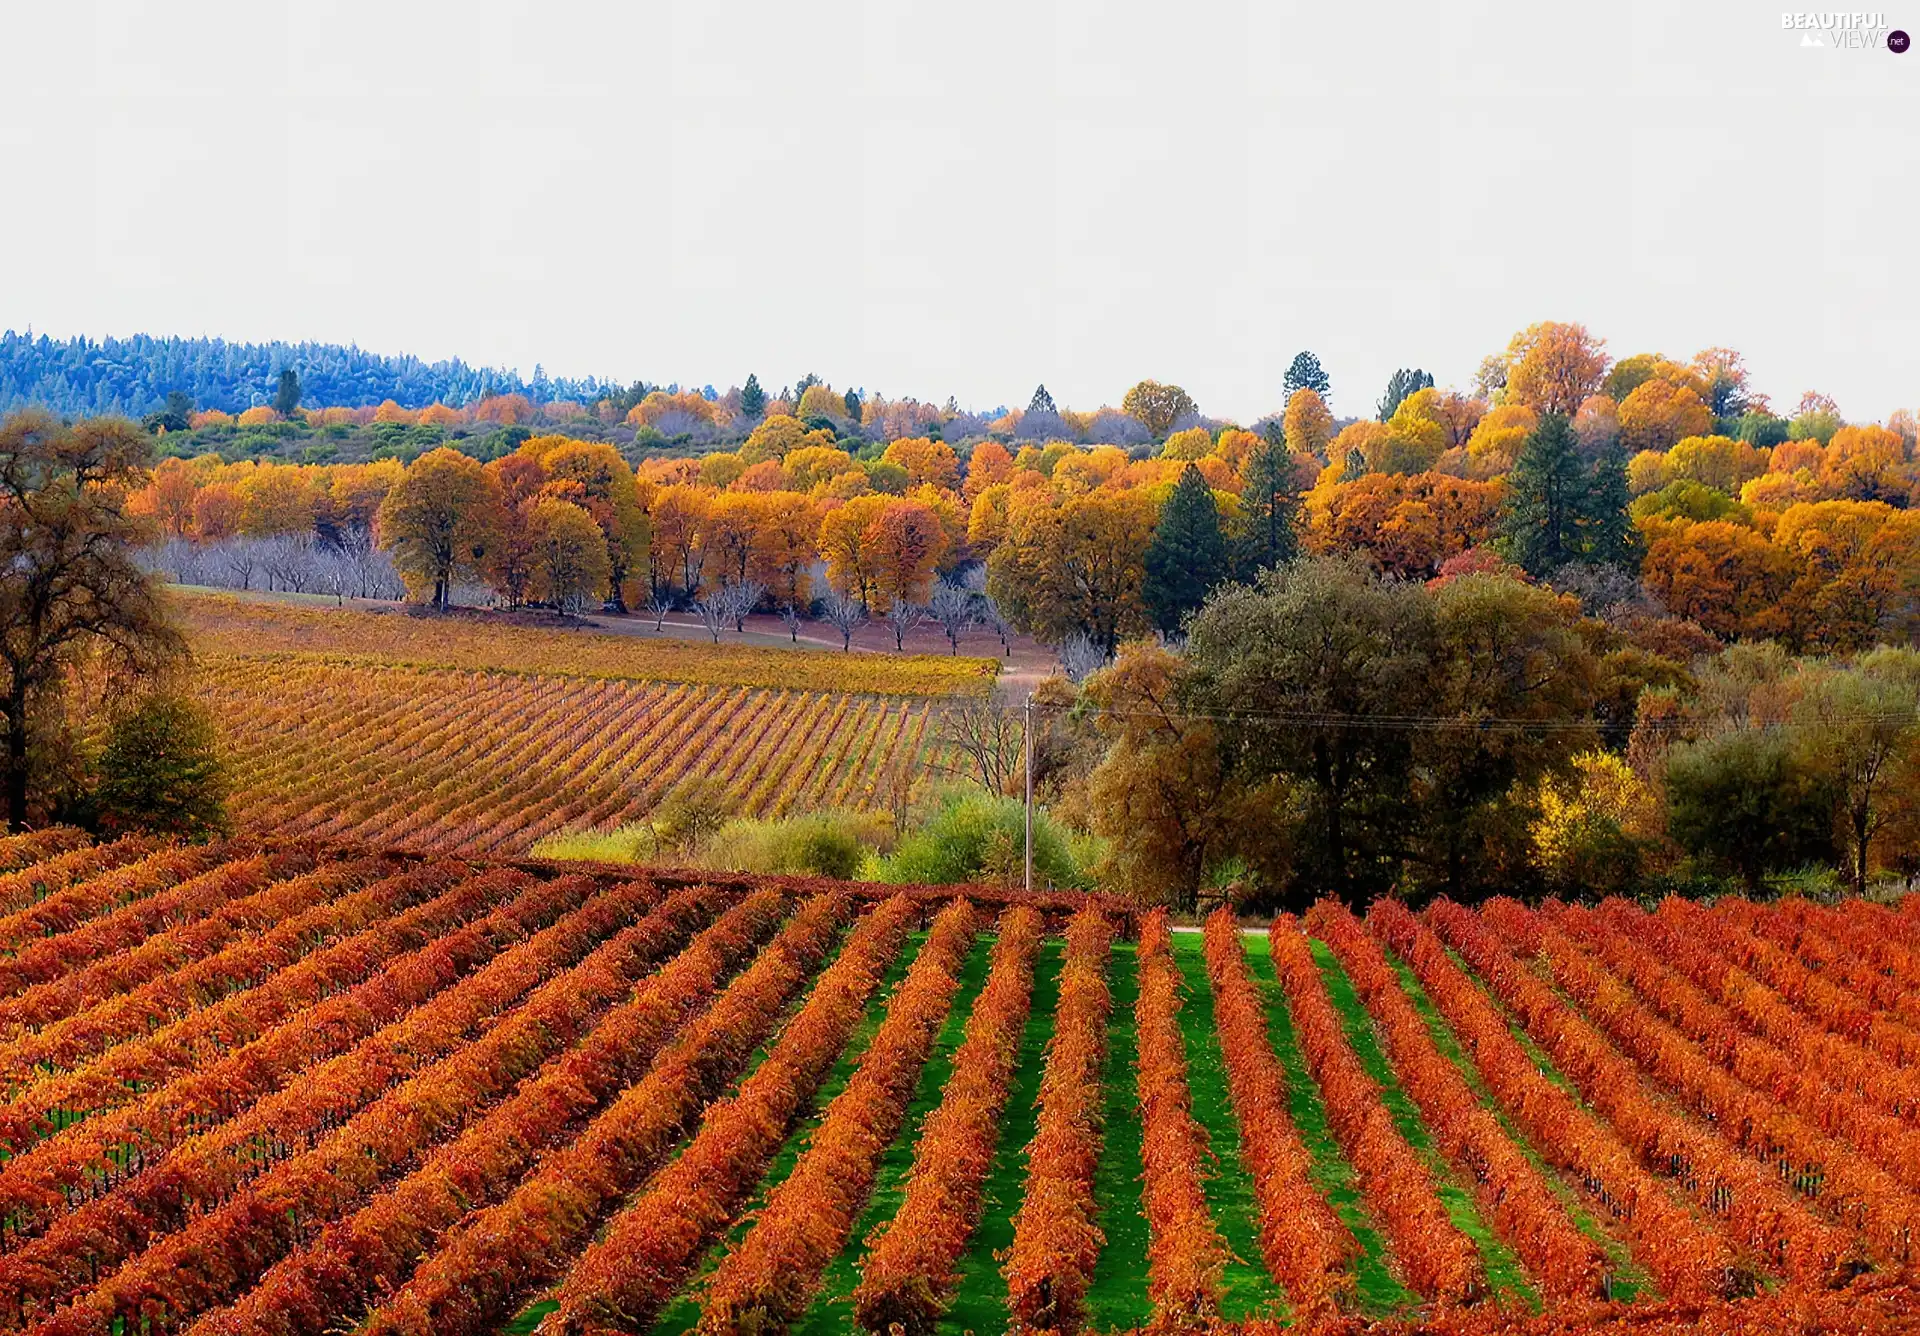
967,198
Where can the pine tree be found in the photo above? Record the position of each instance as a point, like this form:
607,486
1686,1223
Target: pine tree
1306,373
753,399
1268,500
1042,402
1187,556
1610,535
1400,385
1558,510
852,401
287,397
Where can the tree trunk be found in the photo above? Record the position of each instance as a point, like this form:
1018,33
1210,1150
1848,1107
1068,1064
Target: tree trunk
1336,834
17,761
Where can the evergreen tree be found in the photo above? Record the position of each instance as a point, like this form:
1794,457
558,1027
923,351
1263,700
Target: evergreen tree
1267,538
852,401
1187,556
1306,373
287,397
1558,510
1042,402
1400,385
753,399
1610,535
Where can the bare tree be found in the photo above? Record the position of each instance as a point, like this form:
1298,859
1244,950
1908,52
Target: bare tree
659,604
714,612
790,614
241,557
843,613
288,559
986,736
1079,655
742,598
986,609
901,618
953,608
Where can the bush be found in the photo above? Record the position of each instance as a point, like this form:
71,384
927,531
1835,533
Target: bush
977,837
161,771
821,844
692,811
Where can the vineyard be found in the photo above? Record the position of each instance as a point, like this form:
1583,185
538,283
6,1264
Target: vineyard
484,762
305,1087
229,625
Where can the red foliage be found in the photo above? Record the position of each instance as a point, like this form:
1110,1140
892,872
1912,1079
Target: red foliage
908,1271
1758,1209
653,1245
356,1260
769,1277
1512,1192
1687,1259
227,1209
1186,1257
1056,1241
483,1271
1438,1260
268,1036
1305,1245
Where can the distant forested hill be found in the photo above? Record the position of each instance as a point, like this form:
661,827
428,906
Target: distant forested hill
133,375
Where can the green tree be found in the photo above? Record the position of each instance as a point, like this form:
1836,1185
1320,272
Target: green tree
1306,373
1859,729
160,771
1188,554
176,416
287,397
753,399
1558,509
1401,384
852,400
69,586
1502,651
1744,802
1042,402
1269,503
1307,672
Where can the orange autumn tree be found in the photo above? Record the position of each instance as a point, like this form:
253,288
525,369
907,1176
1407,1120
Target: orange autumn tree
1552,367
844,546
1723,575
904,542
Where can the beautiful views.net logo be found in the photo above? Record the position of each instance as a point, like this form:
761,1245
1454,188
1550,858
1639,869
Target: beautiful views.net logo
1858,31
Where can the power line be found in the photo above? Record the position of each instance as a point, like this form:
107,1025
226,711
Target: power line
1429,722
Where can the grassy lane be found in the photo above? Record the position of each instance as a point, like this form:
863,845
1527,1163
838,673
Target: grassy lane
684,1312
832,1310
1117,1297
980,1301
1247,1290
1629,1279
1379,1291
1504,1272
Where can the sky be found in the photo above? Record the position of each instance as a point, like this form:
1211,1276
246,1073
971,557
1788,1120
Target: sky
968,198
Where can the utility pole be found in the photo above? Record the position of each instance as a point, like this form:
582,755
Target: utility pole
1028,767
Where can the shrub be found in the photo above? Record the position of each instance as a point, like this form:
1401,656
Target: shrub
977,837
160,771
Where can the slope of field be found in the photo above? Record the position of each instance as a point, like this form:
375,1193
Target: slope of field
221,625
488,762
310,1088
